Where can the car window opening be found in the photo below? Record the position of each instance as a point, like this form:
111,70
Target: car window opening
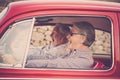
42,40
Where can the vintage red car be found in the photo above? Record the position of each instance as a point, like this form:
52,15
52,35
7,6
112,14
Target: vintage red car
28,24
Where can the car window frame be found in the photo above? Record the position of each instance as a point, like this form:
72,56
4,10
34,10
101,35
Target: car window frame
113,18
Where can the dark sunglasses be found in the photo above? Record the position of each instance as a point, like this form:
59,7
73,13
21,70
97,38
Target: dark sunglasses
76,34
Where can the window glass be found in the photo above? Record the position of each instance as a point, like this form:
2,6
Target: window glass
13,44
44,53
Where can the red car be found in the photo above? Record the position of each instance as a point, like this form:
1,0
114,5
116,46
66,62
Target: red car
26,25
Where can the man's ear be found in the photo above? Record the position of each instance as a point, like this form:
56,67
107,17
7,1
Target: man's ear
83,39
68,36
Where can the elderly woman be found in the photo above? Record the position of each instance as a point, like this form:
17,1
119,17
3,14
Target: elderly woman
81,36
56,49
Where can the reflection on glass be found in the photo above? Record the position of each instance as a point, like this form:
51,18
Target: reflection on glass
13,44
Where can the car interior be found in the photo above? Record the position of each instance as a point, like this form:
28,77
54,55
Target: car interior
102,54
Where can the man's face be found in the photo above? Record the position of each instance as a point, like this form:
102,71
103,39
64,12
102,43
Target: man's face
75,38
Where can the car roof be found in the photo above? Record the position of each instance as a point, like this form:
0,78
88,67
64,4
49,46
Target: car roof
95,5
19,7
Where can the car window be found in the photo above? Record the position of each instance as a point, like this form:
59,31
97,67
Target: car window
40,54
14,42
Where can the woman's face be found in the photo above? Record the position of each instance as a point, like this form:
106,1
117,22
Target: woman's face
56,37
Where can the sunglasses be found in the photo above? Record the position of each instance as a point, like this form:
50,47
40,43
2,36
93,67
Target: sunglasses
77,34
74,34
